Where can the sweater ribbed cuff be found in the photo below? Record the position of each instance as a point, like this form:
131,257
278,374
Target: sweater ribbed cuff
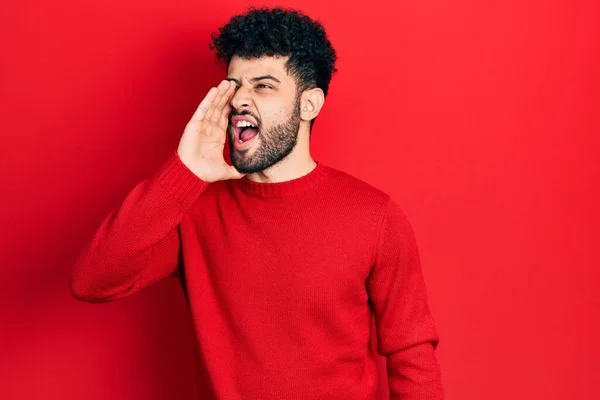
180,181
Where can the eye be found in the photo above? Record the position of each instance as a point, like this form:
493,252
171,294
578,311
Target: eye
264,86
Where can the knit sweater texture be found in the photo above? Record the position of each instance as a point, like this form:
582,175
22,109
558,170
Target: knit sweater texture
283,281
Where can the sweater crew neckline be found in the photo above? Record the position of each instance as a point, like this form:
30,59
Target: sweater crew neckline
285,188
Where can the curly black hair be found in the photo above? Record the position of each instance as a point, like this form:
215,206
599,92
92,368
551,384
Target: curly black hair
280,32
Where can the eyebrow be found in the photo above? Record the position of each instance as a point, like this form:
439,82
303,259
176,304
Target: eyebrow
255,79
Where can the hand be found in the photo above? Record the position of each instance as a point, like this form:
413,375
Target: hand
201,145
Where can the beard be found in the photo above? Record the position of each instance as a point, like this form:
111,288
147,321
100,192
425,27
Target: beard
275,143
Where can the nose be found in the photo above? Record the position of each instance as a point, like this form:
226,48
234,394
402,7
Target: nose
241,99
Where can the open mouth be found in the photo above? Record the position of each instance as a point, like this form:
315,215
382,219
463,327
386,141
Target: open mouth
245,131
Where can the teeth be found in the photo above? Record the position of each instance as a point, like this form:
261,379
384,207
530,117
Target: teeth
242,124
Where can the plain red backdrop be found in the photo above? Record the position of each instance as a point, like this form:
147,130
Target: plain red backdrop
480,118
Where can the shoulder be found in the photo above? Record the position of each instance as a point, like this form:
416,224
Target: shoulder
361,194
357,191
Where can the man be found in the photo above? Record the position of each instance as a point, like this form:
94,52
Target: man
284,260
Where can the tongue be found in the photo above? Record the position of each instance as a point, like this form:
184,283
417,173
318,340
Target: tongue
248,134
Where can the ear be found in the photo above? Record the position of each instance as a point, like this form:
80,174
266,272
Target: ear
311,103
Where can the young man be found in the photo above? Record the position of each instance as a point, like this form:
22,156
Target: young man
284,260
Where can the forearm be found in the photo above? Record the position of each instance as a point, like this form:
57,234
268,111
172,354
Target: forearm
414,374
137,244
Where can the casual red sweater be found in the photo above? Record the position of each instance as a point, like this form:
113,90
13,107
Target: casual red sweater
282,279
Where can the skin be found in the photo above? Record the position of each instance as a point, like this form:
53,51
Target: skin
272,103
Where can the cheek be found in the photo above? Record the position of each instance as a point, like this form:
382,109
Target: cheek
273,111
272,115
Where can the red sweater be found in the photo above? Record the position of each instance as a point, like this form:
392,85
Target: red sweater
282,280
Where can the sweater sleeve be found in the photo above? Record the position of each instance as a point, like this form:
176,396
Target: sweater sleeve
137,244
406,333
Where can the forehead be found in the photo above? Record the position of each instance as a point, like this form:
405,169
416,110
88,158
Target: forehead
240,68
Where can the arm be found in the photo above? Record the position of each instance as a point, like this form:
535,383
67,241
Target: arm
406,333
137,244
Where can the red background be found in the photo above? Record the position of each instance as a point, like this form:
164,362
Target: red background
480,118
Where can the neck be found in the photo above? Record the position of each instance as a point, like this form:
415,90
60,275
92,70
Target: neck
298,163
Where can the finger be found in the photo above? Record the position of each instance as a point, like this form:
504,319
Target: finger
223,101
221,89
204,105
227,108
224,120
225,92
